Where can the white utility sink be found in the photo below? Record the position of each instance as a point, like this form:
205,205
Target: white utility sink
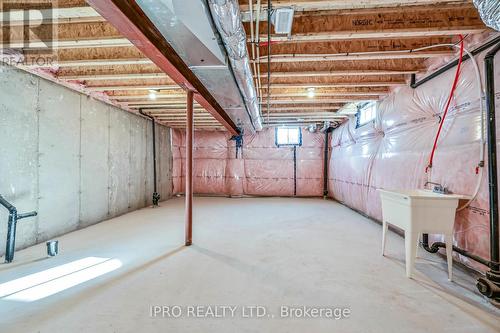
418,212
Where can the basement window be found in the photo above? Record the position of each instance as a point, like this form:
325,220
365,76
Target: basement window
366,113
288,136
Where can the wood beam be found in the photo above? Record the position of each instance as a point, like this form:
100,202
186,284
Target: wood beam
305,108
342,91
334,85
368,24
306,6
347,65
166,105
68,44
314,100
93,62
359,46
374,34
132,98
346,95
353,72
35,17
128,88
62,36
109,77
354,57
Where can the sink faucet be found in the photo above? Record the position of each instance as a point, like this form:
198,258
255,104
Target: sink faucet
438,188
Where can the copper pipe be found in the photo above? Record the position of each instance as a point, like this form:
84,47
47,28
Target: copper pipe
189,168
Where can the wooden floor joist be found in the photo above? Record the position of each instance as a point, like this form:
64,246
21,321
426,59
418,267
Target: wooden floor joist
329,85
342,73
99,77
34,17
125,88
316,100
356,57
304,7
95,62
374,34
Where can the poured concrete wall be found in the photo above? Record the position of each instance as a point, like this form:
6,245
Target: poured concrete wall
75,160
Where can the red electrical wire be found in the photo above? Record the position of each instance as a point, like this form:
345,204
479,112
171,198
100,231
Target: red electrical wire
453,87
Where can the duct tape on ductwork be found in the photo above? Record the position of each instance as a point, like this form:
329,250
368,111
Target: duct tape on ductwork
226,15
489,10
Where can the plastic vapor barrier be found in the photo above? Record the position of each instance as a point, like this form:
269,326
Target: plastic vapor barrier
393,152
261,168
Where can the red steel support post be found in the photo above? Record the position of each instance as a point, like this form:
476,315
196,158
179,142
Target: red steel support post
189,168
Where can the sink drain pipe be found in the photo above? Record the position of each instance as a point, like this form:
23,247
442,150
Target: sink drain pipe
156,195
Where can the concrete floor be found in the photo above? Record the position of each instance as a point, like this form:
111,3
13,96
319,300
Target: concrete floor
266,252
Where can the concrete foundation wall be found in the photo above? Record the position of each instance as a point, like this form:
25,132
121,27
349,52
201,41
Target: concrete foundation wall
75,160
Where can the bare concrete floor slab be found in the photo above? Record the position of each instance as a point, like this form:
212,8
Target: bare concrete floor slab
269,252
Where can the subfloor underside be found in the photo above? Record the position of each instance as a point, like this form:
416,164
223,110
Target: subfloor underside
268,252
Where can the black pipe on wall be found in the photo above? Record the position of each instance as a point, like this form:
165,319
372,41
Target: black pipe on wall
156,195
490,285
414,83
489,64
325,161
294,170
10,246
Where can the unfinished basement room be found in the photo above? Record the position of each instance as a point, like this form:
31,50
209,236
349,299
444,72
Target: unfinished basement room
249,166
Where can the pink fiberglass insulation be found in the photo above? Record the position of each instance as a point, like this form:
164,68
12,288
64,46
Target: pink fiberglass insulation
262,169
393,152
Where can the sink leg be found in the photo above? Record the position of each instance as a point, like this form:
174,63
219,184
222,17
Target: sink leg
384,232
411,239
449,256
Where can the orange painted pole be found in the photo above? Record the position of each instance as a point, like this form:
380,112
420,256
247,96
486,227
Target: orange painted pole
189,168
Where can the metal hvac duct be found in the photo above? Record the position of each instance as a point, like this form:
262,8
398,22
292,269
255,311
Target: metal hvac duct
227,19
189,27
489,10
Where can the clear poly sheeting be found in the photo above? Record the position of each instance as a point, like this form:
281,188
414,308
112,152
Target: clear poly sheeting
393,153
261,169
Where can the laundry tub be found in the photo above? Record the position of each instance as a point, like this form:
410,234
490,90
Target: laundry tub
418,212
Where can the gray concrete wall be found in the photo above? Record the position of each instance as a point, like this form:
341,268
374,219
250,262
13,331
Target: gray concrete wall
75,160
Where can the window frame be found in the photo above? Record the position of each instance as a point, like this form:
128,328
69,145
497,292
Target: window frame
288,144
363,108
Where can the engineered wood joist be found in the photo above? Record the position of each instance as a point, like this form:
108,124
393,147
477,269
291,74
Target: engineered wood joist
405,22
329,85
316,100
356,56
321,66
357,46
304,7
66,35
108,77
125,88
33,17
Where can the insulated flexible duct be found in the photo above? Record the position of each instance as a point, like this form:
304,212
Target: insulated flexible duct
489,10
226,15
